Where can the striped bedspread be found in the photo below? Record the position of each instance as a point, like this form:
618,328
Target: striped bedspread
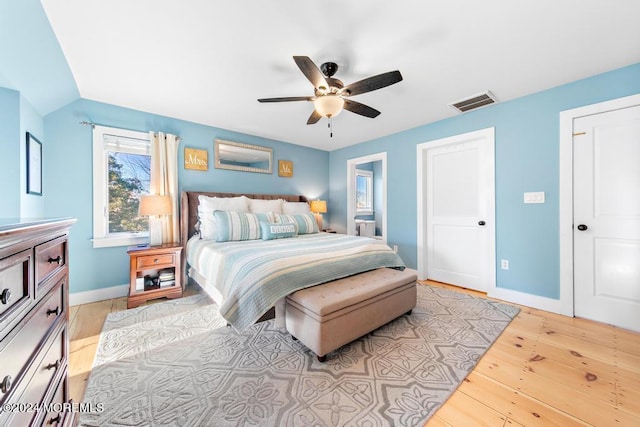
252,275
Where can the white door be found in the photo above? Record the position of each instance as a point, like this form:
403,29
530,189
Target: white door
606,156
460,225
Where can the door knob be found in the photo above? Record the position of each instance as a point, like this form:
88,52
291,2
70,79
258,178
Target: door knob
582,227
481,223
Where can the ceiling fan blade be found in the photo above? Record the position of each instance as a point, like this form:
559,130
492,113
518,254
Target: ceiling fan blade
311,71
358,108
372,83
287,99
313,118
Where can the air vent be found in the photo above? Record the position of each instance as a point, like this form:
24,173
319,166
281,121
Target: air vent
475,101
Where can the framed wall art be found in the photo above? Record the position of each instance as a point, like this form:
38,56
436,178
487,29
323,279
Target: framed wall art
285,168
196,159
34,165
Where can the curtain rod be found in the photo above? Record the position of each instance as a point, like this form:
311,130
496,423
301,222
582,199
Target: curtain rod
86,123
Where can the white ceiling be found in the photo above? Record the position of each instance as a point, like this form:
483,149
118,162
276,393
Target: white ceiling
207,61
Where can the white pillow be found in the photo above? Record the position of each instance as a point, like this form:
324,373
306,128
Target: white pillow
265,206
207,205
292,208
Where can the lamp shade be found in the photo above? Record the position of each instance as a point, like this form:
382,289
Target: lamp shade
319,206
154,205
328,105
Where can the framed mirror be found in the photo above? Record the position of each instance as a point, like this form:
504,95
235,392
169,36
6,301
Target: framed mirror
243,157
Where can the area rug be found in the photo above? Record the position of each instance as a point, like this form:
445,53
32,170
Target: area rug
177,364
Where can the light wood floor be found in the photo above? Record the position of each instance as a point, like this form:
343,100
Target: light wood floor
544,370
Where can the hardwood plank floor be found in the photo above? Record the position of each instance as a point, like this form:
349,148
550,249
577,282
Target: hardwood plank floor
544,370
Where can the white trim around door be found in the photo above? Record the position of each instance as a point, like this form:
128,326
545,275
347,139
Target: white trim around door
566,191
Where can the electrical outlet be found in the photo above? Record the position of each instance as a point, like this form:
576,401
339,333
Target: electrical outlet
504,264
395,248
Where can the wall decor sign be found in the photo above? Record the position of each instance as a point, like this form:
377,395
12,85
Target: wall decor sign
285,168
196,159
34,165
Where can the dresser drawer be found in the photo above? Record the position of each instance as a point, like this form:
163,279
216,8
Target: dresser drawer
153,261
61,404
15,289
52,363
50,258
17,349
49,365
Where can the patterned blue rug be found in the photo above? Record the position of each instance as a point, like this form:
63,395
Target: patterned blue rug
176,363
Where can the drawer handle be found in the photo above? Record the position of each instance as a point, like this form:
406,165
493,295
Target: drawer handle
57,260
155,261
55,311
55,420
5,297
6,384
54,365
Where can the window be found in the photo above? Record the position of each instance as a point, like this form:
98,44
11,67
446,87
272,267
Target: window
364,192
121,173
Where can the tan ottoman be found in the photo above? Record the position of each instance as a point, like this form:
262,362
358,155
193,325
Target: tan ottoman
328,316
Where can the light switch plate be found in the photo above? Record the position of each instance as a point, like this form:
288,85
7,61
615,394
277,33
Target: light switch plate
534,197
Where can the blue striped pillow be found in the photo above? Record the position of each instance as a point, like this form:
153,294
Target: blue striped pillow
306,222
232,225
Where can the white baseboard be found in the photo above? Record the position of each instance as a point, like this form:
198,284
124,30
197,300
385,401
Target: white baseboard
87,297
534,301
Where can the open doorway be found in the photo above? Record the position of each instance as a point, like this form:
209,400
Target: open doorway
367,196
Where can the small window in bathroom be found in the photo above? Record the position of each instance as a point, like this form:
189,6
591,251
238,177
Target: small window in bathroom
364,192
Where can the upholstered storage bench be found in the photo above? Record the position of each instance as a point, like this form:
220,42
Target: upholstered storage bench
328,316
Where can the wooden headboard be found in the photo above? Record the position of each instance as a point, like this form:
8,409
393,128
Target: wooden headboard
189,207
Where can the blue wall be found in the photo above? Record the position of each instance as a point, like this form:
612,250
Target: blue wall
17,117
31,206
31,60
69,177
527,147
9,153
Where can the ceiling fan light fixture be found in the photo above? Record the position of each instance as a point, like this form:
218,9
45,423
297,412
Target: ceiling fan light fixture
329,105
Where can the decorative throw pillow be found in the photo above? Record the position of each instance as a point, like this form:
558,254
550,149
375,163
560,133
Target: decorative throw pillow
207,205
292,208
306,222
264,206
272,231
232,226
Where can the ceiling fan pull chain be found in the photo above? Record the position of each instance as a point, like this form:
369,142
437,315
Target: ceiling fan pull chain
330,128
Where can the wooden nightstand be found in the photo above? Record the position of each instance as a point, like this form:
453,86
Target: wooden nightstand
155,273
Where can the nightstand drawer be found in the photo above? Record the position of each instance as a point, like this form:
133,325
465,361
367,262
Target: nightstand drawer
154,261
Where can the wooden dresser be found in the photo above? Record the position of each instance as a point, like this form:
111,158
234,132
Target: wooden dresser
34,314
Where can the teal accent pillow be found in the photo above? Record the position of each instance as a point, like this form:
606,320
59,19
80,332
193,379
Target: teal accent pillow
233,226
306,222
272,231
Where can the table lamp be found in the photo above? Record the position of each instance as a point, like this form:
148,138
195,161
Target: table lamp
318,207
153,206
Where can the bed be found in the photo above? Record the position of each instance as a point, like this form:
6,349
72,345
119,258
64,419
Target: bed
248,277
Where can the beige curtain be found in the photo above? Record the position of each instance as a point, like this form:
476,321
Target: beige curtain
164,179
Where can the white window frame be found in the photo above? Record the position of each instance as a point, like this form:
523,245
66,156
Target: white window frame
101,236
369,176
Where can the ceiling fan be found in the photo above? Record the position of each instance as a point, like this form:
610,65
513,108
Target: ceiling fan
331,95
